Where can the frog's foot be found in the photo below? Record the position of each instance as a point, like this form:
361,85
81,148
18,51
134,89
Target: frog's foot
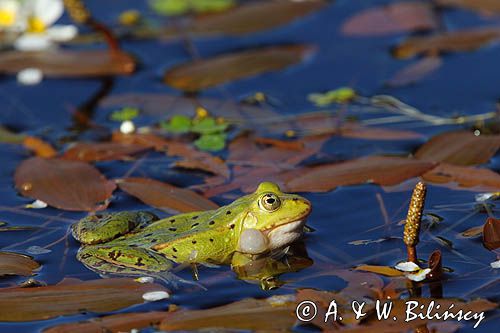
98,228
122,260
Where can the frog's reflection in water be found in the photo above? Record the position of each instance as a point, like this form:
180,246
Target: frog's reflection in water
266,270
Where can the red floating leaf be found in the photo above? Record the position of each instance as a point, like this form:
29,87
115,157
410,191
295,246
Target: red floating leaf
491,234
66,63
477,179
381,170
459,148
102,151
71,297
63,184
206,73
456,41
164,195
415,72
17,264
394,18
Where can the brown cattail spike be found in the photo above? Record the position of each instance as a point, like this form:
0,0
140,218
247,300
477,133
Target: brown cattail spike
413,219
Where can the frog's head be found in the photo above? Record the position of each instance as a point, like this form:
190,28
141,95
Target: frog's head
273,219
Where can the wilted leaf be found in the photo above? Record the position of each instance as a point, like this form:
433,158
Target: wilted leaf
483,6
71,297
206,73
456,41
477,179
491,234
250,17
65,63
39,147
472,232
63,184
415,72
390,19
123,322
382,270
381,170
163,195
16,264
459,148
102,151
247,314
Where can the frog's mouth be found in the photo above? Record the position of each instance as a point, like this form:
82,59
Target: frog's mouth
285,234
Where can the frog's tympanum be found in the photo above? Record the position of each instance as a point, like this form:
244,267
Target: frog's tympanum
138,243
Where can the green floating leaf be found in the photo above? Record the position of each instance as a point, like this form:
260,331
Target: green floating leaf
179,7
340,95
211,142
208,126
177,124
127,113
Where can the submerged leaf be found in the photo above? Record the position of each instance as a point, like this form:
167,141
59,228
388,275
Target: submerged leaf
207,73
459,148
415,71
381,170
16,264
491,234
102,151
483,6
163,195
71,297
394,18
478,179
63,184
65,63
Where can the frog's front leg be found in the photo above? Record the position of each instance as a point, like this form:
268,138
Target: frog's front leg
113,259
96,229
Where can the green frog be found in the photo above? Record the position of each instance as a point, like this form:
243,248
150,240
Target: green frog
137,243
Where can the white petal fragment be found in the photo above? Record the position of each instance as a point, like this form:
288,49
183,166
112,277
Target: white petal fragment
495,264
407,266
419,276
62,33
153,296
127,127
33,42
37,204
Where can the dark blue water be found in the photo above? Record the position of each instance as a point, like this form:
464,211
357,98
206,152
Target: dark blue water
467,83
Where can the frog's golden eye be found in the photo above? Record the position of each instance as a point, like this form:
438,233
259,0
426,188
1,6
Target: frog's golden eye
270,202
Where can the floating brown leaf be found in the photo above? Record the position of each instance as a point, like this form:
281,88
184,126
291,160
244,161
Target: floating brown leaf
477,179
206,73
415,72
71,297
394,18
491,234
381,170
483,6
472,232
67,63
148,141
163,195
102,151
123,322
248,314
39,147
17,264
456,41
356,131
63,184
250,17
459,148
382,270
285,144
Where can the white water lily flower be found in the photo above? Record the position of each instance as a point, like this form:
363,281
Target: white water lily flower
419,275
407,266
413,271
34,20
495,264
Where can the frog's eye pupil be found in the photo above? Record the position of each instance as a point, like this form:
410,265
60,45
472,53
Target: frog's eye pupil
270,202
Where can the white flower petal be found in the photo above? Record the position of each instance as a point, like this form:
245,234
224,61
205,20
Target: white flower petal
33,42
483,196
29,77
62,33
153,296
37,204
127,127
419,276
48,11
407,266
495,264
145,279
